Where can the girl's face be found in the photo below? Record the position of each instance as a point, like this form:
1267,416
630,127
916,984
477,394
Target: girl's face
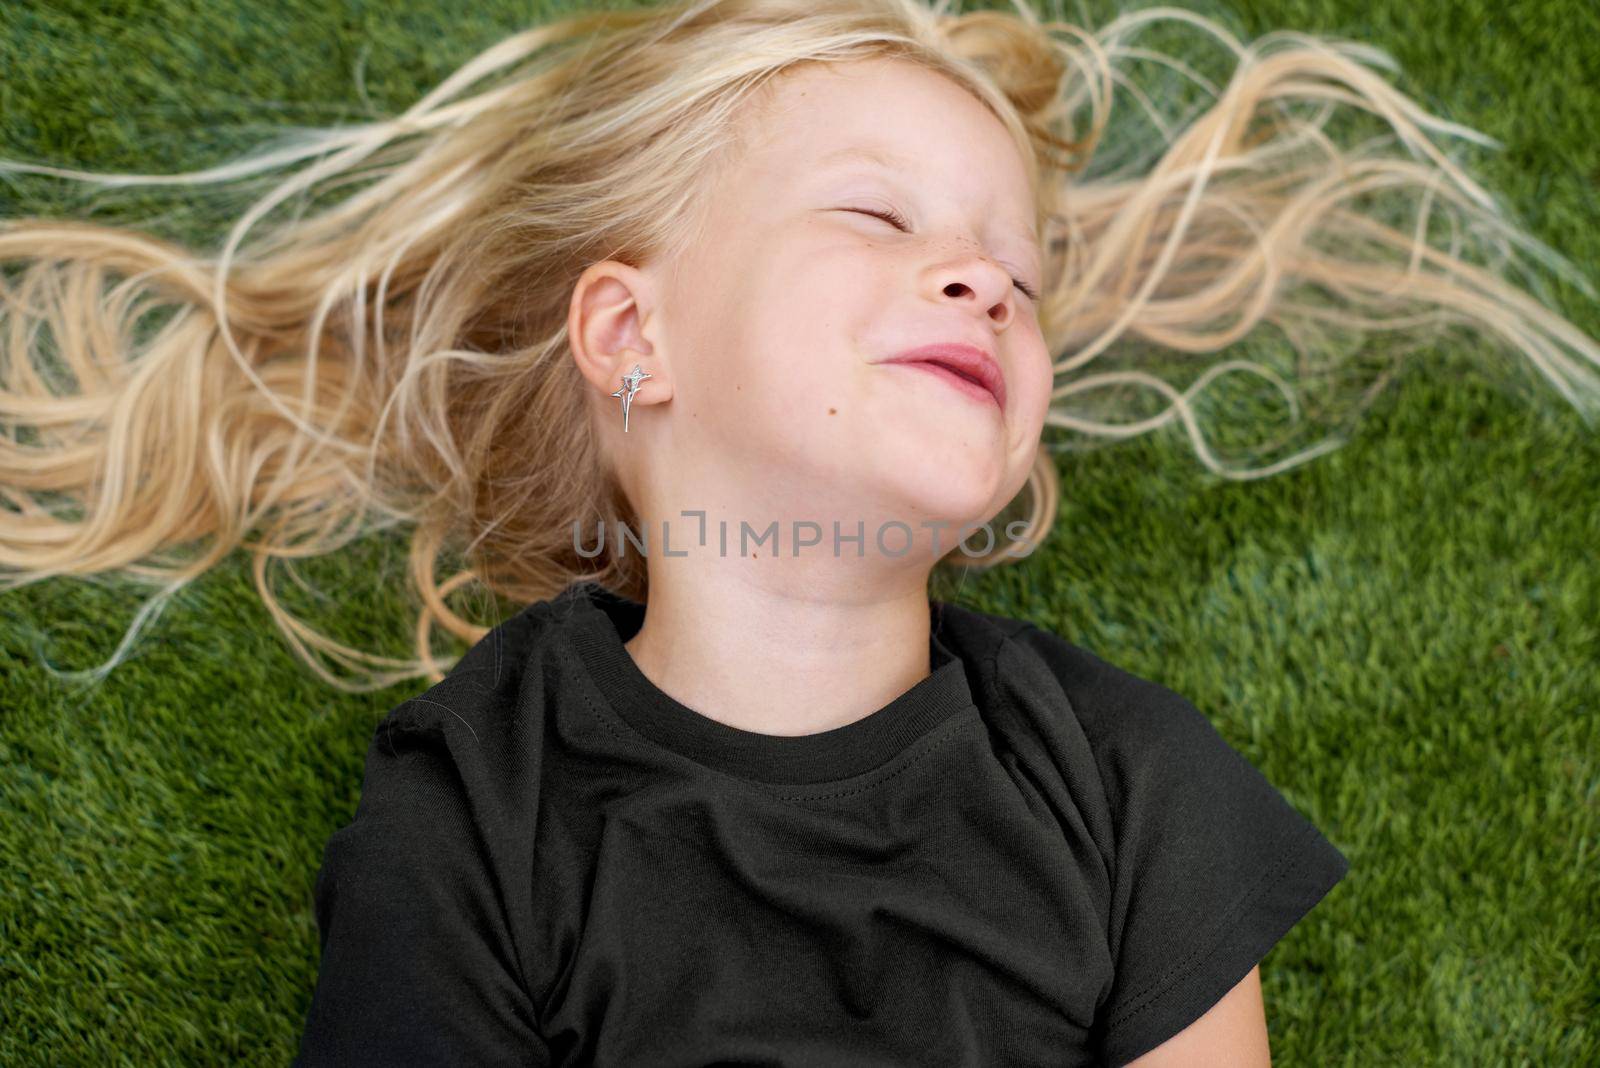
768,339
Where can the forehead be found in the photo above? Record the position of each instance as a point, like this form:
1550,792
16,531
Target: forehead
866,153
915,126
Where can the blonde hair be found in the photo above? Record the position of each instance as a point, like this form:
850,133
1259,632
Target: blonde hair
400,357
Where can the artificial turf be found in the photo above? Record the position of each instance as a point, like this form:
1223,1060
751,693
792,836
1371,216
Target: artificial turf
1403,635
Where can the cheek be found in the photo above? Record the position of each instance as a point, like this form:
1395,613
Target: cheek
801,338
780,376
1044,382
1034,376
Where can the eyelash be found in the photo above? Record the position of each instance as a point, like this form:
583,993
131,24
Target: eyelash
894,218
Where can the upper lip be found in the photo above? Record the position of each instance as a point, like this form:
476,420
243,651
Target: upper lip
962,357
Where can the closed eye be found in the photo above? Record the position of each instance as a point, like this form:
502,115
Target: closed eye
890,216
898,221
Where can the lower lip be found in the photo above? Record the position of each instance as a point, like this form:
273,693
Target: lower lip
972,389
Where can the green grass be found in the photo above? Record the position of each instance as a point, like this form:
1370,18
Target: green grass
1403,636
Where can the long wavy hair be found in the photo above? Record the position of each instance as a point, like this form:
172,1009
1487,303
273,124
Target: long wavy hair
400,357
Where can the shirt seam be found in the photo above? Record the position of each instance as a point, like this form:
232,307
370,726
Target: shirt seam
1094,750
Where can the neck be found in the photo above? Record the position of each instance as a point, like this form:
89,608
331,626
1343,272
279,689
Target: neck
782,648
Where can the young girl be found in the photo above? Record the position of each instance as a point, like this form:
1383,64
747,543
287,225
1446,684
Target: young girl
707,331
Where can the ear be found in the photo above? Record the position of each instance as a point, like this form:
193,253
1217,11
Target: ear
610,324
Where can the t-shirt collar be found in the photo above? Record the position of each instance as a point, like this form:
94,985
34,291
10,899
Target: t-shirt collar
602,621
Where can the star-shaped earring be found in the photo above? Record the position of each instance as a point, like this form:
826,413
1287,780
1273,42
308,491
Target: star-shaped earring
630,386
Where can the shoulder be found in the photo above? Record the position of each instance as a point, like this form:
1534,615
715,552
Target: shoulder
1144,742
459,763
1210,865
420,897
1113,707
478,732
480,691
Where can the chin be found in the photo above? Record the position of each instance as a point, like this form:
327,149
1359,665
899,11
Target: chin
953,501
928,470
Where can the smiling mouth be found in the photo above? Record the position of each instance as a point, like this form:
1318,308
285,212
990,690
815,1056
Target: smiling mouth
961,380
957,371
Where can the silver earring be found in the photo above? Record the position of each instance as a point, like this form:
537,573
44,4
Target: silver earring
630,386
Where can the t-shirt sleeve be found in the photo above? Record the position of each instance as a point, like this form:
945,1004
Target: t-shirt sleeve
415,964
1212,865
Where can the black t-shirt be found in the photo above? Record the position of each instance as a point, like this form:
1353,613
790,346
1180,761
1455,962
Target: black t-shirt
1029,857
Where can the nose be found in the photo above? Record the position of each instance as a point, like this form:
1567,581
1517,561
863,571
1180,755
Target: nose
981,282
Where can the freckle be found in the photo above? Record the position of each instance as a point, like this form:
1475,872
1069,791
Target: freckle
833,411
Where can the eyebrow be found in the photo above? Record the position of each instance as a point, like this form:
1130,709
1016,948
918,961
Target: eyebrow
863,154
